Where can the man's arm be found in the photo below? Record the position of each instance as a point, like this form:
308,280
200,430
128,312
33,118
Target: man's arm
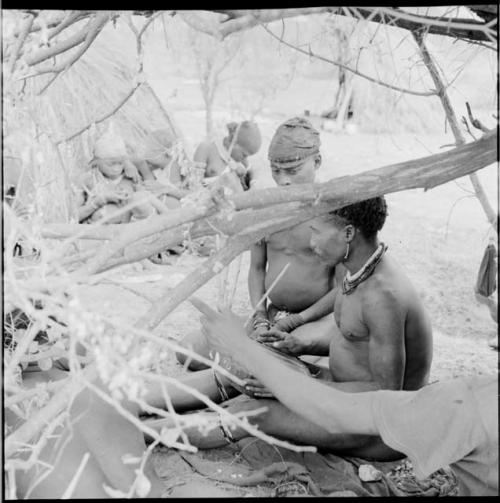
320,308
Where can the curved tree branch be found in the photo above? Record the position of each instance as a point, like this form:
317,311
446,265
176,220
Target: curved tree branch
467,29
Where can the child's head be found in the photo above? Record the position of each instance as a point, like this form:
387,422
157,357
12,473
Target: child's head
110,155
111,168
247,140
294,152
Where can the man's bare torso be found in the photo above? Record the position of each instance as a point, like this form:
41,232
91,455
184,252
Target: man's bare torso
306,279
349,349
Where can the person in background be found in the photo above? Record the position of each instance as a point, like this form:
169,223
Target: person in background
229,156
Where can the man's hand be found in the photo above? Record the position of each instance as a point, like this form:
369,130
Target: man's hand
258,333
224,331
289,323
256,389
284,342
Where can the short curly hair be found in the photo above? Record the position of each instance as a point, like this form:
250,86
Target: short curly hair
368,215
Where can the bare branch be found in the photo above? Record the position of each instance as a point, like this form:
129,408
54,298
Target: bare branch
62,46
72,18
468,29
352,70
95,27
452,119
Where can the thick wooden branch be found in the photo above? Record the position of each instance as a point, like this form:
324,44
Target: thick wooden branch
468,29
426,172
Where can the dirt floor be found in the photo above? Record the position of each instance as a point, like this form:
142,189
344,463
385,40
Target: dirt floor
438,238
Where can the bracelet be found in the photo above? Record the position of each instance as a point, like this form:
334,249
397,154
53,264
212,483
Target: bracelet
260,321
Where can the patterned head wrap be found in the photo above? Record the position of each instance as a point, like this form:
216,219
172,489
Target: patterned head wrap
294,141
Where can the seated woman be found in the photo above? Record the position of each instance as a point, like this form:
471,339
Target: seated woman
381,337
114,182
93,430
228,157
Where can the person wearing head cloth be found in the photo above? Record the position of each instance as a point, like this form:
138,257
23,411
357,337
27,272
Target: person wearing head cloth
226,160
302,294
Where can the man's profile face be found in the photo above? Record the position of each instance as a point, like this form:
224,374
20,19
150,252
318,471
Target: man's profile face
328,239
302,173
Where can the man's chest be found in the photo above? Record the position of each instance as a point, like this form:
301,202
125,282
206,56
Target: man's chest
294,240
349,317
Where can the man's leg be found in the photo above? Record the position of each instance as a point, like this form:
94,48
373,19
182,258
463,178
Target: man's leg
282,423
197,342
182,400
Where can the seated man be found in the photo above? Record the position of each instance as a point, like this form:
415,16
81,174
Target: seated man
448,423
303,294
381,338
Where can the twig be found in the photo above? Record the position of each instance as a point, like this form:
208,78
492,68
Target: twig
76,477
266,294
475,122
